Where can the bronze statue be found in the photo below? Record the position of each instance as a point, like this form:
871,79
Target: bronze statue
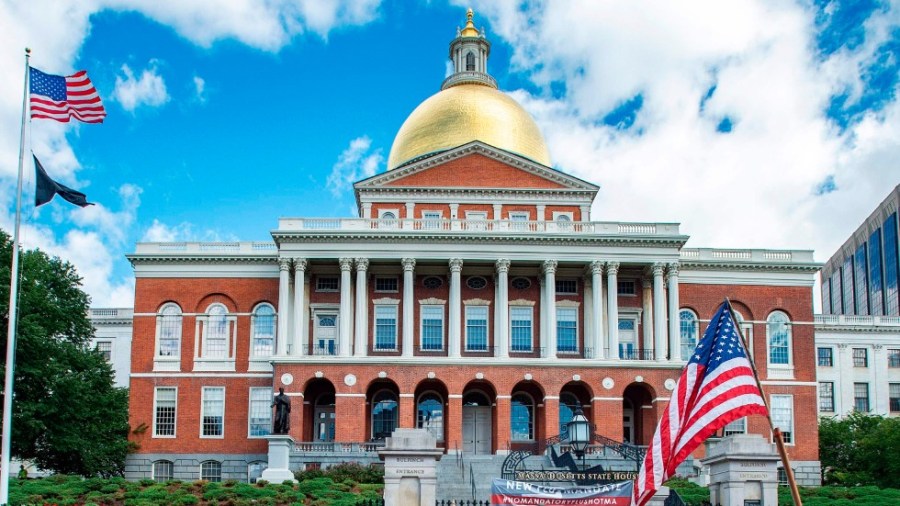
282,422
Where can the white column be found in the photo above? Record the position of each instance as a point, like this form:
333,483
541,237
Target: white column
844,385
612,307
362,308
597,309
647,323
367,210
409,266
454,316
498,211
659,313
879,392
346,308
410,214
548,342
284,302
674,335
501,312
299,337
585,213
541,212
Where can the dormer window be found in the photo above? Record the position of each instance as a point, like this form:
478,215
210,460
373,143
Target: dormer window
470,62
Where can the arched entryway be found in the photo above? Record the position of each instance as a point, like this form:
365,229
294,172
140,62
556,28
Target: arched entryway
638,414
320,420
383,409
478,424
431,409
572,395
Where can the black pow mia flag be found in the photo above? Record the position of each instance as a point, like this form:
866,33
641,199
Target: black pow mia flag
46,188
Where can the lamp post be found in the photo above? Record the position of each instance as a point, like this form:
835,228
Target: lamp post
579,433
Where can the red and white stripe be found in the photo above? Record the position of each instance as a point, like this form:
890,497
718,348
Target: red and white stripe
694,413
82,102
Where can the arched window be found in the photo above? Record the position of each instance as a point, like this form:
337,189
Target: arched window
430,415
163,470
384,414
263,342
388,215
211,470
216,339
779,333
522,417
470,61
689,330
568,403
168,331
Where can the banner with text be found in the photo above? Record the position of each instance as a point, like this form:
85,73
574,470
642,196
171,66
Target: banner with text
508,492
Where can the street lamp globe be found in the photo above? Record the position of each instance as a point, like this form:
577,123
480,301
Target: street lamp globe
579,432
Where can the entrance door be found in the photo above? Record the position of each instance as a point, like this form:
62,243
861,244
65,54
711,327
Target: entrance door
326,334
627,422
324,423
476,430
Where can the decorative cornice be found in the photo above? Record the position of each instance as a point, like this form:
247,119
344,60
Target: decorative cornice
521,302
530,239
432,301
477,302
748,266
386,300
216,259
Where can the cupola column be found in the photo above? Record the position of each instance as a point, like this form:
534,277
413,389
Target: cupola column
346,307
455,316
612,307
409,266
299,310
501,316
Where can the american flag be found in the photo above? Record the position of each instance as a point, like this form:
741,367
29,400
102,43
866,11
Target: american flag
716,387
60,98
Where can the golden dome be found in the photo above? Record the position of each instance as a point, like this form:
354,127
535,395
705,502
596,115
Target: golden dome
464,113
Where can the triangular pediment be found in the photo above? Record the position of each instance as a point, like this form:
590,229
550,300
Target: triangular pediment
477,166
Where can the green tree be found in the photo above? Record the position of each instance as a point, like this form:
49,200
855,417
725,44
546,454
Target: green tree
860,449
67,414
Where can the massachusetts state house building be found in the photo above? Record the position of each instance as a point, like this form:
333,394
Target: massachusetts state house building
474,296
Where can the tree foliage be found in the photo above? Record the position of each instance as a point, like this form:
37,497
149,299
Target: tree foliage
67,414
860,449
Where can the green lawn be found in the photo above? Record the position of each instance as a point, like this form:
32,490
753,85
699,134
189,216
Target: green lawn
695,495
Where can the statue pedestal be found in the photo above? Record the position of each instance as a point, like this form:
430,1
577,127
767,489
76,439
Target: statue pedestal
743,471
410,468
279,469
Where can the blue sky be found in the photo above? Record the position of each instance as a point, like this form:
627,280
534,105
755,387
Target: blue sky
223,118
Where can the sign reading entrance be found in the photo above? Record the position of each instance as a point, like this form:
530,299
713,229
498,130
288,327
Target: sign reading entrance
581,476
507,492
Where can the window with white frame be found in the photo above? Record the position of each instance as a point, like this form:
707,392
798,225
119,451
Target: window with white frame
627,286
893,358
431,219
782,407
388,215
689,330
211,471
215,332
567,286
476,328
163,471
861,397
168,331
627,338
165,404
260,412
212,416
263,325
826,396
826,357
432,332
519,216
521,421
327,283
894,397
738,426
779,333
385,327
520,328
567,329
105,349
386,284
860,357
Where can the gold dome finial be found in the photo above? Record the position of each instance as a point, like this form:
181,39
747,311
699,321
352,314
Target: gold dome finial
470,30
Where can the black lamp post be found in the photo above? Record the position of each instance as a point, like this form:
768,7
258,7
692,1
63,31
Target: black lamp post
579,432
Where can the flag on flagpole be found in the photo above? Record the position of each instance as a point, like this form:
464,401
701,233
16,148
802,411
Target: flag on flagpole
60,98
46,188
716,387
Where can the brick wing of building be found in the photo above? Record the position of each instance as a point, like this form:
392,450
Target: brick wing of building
474,296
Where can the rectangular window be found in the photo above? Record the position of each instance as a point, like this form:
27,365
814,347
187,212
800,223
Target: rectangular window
627,338
860,357
627,287
260,411
847,284
327,283
826,357
165,403
826,396
783,416
476,328
738,426
861,397
385,328
826,296
567,286
520,319
212,416
894,397
432,328
860,290
893,358
876,292
385,284
105,349
891,274
518,216
567,330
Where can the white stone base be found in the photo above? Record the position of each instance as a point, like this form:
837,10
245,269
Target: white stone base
279,469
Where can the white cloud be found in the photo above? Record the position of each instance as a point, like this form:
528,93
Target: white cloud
752,187
149,89
200,89
161,232
354,163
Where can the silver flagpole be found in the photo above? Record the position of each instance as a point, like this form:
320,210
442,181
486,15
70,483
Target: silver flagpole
13,299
